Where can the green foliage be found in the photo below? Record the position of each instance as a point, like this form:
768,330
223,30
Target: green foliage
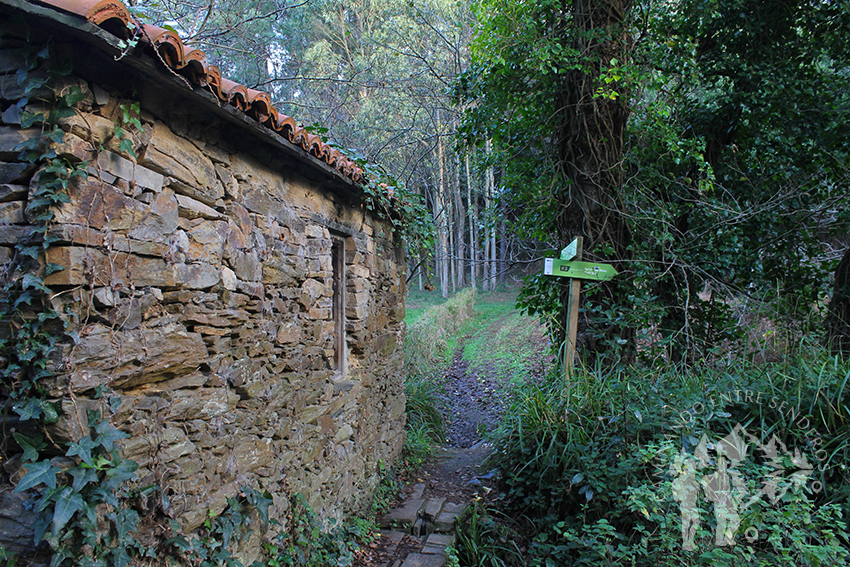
387,492
309,544
221,532
390,199
481,541
503,342
593,463
735,155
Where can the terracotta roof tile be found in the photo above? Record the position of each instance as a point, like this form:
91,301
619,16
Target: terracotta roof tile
113,16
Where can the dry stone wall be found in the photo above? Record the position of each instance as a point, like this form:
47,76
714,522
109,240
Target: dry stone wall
200,284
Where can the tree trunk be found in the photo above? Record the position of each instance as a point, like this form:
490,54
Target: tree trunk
503,246
442,216
838,316
590,151
472,213
460,216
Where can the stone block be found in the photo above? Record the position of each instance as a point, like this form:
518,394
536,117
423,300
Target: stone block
197,276
85,265
311,290
277,270
203,403
16,522
15,172
252,289
142,177
168,443
433,508
176,157
157,222
193,209
436,544
247,266
73,149
11,138
345,432
98,205
12,213
128,359
13,193
289,332
91,127
252,453
228,278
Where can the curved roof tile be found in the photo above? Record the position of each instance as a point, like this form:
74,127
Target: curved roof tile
113,16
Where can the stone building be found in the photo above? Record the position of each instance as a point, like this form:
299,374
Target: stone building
223,275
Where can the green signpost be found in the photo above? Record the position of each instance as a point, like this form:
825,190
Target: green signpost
581,270
576,270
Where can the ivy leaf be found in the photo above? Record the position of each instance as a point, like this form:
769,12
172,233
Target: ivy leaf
82,449
125,470
82,477
31,447
126,521
50,413
39,527
105,496
25,297
75,94
41,472
30,410
108,435
67,504
59,555
52,268
33,281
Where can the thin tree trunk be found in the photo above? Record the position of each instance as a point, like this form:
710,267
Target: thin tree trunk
488,226
451,247
460,216
472,214
442,219
503,245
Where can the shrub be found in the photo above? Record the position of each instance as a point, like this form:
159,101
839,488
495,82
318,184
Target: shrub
599,465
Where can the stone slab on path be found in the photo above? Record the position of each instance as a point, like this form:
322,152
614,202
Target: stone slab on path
433,508
424,560
445,520
436,544
405,516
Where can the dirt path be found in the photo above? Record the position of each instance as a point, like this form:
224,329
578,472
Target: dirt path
473,404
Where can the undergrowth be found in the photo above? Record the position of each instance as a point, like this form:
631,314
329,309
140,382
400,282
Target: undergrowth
745,465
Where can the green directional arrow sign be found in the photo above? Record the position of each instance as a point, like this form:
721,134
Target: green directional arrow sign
580,270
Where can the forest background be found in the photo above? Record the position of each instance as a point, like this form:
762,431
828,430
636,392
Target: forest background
699,146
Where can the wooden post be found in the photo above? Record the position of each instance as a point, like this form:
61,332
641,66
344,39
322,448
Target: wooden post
572,318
